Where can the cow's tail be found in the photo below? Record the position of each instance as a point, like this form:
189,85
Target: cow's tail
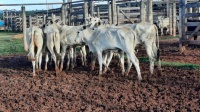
30,54
157,42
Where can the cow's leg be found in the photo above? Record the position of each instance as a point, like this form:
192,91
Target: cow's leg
31,56
68,61
50,46
100,62
156,52
74,57
33,63
167,32
121,57
104,58
110,56
135,61
94,57
46,61
129,66
57,45
82,60
63,52
84,54
151,56
57,50
40,60
39,49
161,30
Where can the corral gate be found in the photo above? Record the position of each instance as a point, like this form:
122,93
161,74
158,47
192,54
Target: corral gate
185,35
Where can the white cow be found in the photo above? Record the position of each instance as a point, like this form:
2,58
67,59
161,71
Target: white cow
68,35
111,38
163,23
34,39
147,34
53,43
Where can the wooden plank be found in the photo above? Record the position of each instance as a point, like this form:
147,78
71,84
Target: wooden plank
77,12
196,30
192,5
193,23
128,19
131,8
192,15
126,16
190,32
131,14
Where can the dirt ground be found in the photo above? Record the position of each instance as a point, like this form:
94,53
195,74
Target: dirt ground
80,89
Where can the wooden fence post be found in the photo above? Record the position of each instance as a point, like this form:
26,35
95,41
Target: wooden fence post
69,14
149,11
174,19
63,13
114,16
182,28
7,20
98,13
11,23
142,11
118,23
24,27
109,13
170,19
85,11
37,21
30,21
44,19
66,14
167,7
91,6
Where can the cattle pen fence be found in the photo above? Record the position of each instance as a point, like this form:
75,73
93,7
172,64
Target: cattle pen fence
114,12
189,24
73,13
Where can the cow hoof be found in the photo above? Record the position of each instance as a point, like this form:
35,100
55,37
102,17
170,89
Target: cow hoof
159,72
34,75
140,79
104,71
31,59
126,74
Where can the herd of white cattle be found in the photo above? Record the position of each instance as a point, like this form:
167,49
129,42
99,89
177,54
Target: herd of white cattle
103,40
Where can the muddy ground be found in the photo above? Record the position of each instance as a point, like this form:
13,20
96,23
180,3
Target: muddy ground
175,89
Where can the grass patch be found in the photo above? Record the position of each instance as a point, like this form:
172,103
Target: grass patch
174,64
168,37
10,46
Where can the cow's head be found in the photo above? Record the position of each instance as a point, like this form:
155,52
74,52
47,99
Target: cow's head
92,21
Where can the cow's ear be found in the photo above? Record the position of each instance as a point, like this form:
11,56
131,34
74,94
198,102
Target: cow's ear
84,27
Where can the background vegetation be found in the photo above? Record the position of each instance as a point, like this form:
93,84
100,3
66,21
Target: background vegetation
10,45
